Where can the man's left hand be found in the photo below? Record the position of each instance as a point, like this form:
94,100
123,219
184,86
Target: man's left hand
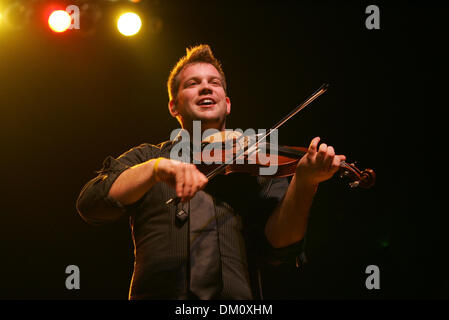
319,164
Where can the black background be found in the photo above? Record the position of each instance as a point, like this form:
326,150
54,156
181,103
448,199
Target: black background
70,100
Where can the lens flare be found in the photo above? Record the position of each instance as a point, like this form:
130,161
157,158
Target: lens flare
129,24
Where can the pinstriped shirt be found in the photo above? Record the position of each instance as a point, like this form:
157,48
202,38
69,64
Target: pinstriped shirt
214,254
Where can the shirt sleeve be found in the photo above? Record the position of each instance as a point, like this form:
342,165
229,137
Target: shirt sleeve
273,192
94,204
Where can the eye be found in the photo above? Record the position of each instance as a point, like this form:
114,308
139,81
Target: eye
216,82
191,83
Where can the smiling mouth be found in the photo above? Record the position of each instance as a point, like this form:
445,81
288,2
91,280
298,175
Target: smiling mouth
206,102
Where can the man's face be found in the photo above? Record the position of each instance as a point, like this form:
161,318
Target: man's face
201,96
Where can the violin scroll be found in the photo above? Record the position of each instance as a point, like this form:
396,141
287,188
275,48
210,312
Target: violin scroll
357,178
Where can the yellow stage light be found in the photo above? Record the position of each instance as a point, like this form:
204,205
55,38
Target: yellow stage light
129,24
59,21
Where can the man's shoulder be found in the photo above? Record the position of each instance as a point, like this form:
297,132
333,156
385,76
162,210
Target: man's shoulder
164,145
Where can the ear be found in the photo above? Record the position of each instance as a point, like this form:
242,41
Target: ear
228,106
172,108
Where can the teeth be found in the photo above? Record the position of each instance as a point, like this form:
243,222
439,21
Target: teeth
206,101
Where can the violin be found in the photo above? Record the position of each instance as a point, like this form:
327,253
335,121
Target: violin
285,158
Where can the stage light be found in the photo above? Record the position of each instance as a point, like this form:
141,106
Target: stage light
129,24
59,21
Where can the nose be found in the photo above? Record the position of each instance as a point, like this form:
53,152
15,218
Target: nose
205,88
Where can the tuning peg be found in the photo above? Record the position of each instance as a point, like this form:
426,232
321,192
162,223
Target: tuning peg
354,184
343,174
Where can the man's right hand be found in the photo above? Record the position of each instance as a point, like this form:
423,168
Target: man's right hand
185,178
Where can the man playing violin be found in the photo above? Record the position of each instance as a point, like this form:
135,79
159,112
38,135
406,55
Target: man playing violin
203,246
